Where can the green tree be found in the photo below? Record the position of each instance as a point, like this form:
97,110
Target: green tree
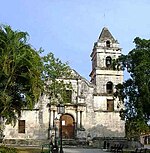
135,92
56,75
20,73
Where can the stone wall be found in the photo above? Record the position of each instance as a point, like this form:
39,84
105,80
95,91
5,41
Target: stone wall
107,142
25,142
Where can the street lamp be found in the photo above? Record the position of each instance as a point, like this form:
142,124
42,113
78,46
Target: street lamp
61,110
55,147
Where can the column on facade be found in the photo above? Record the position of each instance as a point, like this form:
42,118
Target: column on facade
78,122
77,100
49,122
80,119
53,118
50,116
79,112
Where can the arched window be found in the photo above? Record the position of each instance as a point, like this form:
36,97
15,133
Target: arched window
108,61
109,87
107,43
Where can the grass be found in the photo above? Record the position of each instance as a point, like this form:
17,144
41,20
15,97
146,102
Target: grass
11,149
28,150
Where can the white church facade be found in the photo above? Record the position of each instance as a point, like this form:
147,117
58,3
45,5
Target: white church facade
92,111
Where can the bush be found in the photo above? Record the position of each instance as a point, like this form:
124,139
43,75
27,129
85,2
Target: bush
4,149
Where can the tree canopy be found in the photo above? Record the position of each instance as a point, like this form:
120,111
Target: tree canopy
54,73
25,75
135,92
20,73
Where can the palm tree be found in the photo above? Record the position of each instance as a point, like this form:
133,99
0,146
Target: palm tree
20,73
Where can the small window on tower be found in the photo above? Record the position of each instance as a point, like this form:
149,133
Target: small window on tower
109,87
110,105
21,126
107,43
108,61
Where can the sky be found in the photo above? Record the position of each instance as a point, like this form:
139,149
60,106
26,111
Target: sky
69,28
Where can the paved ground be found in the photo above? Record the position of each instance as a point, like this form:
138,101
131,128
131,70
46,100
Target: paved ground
147,146
82,150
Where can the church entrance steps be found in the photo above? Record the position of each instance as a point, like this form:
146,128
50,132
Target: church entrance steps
73,142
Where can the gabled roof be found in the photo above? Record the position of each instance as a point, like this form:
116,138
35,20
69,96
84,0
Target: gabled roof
106,35
76,75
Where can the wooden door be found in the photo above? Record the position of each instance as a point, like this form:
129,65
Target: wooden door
67,127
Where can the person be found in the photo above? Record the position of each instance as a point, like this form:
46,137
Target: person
53,143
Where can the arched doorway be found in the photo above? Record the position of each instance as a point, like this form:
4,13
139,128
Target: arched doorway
67,126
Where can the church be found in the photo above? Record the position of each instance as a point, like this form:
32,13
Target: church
92,111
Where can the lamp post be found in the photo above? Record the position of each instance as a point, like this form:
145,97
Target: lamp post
55,147
61,110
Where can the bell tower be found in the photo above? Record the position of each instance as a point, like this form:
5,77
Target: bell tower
103,73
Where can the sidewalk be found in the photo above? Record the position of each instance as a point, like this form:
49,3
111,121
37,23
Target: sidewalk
147,146
82,150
